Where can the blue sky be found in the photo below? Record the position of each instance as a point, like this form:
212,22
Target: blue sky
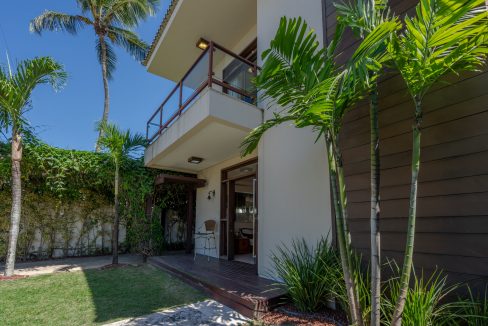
67,118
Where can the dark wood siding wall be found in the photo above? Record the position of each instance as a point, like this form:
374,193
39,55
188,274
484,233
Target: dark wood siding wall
452,224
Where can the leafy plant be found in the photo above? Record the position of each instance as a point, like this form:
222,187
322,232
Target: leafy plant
474,311
62,188
364,17
426,302
120,145
308,273
314,92
362,277
15,100
444,37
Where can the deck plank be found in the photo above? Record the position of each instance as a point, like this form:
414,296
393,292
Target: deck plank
233,283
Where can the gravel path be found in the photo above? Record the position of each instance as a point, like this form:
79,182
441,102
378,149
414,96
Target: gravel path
204,313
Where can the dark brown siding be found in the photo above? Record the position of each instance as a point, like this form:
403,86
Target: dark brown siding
452,227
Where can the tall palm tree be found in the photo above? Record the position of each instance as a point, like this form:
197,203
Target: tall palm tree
120,145
445,36
112,21
303,78
15,99
363,16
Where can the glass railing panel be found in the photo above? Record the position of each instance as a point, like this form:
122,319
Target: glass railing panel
170,108
153,126
236,75
194,80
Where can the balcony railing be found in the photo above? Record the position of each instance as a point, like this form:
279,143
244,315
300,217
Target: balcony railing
216,68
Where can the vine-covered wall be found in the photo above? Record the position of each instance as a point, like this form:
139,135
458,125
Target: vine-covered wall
67,203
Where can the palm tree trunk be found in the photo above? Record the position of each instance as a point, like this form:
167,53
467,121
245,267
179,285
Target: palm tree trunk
375,209
343,237
115,229
16,203
106,102
408,258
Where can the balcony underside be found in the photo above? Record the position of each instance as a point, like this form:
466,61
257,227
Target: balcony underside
224,21
212,128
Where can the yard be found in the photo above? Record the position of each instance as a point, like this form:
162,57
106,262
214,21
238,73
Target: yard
91,297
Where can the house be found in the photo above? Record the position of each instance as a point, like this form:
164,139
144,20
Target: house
279,193
211,49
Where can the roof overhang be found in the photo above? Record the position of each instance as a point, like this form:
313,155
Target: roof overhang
174,48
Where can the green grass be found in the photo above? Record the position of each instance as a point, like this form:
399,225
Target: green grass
91,297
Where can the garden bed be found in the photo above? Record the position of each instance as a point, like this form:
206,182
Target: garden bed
289,315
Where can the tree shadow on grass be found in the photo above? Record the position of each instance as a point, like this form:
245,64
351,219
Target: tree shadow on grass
133,291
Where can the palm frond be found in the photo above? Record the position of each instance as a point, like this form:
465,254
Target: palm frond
84,5
371,55
293,64
128,12
444,36
252,140
119,143
56,21
363,16
129,41
110,55
16,89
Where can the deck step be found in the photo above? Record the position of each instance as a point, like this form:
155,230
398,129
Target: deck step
233,284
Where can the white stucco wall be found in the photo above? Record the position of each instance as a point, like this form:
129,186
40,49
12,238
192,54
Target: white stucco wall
294,199
210,209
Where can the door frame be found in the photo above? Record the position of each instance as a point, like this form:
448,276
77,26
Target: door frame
227,208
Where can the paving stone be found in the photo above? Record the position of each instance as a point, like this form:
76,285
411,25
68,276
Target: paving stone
204,313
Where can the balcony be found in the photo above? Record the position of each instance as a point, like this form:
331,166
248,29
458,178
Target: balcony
206,115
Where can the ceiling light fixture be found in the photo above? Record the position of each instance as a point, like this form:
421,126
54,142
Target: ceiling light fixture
202,43
195,160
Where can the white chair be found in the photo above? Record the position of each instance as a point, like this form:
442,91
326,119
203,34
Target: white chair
206,232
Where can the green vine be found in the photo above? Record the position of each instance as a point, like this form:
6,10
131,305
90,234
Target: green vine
68,203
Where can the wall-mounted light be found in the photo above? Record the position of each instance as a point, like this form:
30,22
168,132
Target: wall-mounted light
211,194
202,43
195,160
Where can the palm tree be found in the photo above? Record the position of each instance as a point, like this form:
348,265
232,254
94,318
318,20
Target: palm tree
304,79
112,21
15,99
363,16
443,37
120,145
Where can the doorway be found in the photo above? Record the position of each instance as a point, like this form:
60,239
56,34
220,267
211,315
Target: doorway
239,213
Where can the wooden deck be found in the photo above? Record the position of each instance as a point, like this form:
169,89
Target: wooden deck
232,283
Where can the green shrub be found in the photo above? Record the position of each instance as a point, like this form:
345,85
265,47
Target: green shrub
426,302
309,274
475,309
362,278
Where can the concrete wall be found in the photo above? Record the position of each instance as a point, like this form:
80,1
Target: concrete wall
75,233
294,199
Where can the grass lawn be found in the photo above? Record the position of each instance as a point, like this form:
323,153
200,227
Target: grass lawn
91,297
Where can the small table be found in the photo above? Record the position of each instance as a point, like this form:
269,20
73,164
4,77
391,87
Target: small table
242,246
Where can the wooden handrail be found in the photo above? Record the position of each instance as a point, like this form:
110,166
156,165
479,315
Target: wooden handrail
207,83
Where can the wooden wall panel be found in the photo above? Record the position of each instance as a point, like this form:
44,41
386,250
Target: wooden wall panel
452,224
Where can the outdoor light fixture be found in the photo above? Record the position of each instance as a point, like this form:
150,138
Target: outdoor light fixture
195,160
202,43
